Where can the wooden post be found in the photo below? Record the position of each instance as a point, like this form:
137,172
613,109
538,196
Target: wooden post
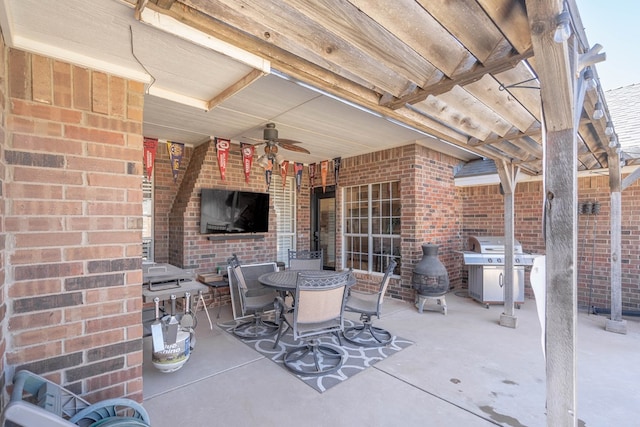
556,74
508,178
615,322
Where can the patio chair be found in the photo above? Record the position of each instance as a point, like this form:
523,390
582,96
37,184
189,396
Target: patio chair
368,305
319,310
305,260
253,301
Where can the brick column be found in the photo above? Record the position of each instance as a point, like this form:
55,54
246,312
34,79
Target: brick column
73,220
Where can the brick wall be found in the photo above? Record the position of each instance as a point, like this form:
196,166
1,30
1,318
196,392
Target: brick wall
194,251
430,207
72,152
3,238
483,209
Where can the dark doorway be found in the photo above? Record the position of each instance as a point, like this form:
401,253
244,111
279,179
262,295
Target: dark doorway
323,224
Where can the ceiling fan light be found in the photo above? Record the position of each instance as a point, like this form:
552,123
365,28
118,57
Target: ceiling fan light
262,161
279,158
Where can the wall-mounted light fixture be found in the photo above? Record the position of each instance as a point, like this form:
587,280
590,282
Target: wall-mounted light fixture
563,26
598,111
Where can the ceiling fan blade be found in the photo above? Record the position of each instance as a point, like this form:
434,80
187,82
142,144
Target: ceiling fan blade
291,147
258,141
288,141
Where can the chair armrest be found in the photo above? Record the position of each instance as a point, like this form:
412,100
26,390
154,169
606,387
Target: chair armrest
365,296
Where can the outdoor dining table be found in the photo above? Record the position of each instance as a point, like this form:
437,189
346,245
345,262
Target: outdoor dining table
285,281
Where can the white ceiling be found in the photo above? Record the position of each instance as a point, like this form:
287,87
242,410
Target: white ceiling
183,77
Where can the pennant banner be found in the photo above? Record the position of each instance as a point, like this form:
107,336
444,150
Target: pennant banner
324,168
150,148
247,160
312,175
267,173
222,147
176,151
284,170
297,168
336,168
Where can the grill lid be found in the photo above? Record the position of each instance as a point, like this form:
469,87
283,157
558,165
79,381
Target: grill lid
491,244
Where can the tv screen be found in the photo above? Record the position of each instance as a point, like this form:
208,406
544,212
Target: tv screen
228,211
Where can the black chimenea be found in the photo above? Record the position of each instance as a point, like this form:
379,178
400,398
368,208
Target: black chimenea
430,277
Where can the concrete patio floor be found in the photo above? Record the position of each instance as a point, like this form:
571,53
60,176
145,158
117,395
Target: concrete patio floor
463,370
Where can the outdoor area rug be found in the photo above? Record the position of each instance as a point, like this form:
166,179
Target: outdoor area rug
357,358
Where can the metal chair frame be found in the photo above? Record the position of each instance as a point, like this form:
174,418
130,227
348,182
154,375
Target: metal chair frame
306,260
319,310
255,302
368,305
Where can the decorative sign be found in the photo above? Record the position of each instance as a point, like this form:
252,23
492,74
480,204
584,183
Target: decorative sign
150,148
336,168
312,175
222,147
247,160
297,168
324,168
176,151
284,170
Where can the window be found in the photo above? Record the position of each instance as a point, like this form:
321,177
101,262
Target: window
284,204
147,218
372,226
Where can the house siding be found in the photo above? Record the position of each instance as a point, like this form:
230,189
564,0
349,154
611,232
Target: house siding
70,242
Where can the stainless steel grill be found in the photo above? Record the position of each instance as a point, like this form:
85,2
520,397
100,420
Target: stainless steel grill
485,260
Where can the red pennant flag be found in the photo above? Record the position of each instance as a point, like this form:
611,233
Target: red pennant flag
297,168
176,151
222,147
324,167
150,147
247,160
284,170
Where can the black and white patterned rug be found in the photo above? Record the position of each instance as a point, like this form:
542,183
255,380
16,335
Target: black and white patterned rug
357,358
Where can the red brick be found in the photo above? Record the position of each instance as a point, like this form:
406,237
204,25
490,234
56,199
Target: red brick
86,341
92,252
19,73
81,88
62,84
46,335
38,240
28,125
26,174
117,91
95,135
41,69
33,191
99,93
35,287
35,320
29,256
46,207
36,352
46,144
45,112
92,311
95,223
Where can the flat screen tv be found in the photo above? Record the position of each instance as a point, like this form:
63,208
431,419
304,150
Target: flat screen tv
229,211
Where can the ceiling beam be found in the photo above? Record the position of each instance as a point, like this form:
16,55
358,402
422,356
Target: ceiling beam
446,84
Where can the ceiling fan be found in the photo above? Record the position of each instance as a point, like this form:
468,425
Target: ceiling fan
272,142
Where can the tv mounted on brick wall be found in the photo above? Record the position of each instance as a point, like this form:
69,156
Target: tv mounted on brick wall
228,211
